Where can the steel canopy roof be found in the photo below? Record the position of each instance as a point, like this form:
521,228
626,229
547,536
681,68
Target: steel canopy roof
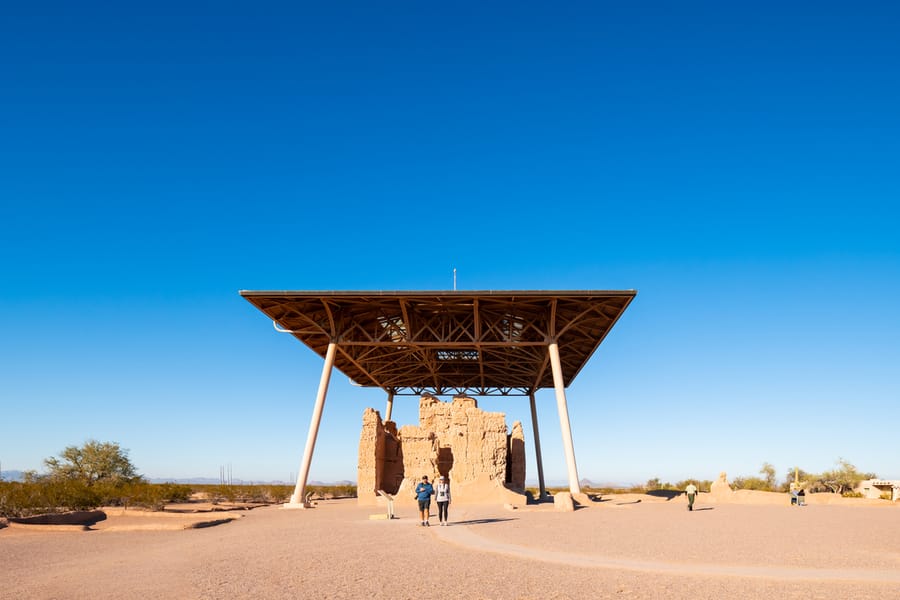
481,343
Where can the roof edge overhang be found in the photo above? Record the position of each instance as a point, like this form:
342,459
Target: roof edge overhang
425,293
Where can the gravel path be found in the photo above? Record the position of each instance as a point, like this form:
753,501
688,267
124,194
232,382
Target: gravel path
610,550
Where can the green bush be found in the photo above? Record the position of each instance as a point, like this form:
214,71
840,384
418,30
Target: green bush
21,499
751,483
154,496
48,495
18,499
255,494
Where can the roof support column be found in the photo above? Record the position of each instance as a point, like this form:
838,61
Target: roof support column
298,499
564,424
390,406
542,490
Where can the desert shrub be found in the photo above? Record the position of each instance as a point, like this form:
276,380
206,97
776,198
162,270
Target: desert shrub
703,485
277,493
69,494
249,493
766,483
258,494
343,491
852,494
332,491
21,499
751,483
177,492
222,492
47,495
154,496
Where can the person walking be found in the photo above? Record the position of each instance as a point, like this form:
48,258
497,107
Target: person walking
691,491
442,495
424,492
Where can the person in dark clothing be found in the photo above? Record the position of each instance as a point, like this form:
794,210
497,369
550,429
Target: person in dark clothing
424,492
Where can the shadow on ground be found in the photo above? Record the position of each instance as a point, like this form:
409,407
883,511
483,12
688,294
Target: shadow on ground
667,494
480,521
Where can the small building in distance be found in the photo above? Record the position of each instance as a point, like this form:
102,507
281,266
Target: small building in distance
876,488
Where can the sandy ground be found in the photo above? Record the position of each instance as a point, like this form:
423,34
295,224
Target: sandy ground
618,548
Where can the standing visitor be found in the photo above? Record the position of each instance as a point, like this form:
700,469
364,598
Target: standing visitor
691,491
424,492
442,495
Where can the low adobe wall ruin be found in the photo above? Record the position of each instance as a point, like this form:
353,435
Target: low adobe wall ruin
471,447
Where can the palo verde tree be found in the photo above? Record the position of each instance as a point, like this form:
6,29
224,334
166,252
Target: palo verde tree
94,462
768,473
844,478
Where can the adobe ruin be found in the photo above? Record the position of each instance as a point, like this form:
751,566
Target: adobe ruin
471,447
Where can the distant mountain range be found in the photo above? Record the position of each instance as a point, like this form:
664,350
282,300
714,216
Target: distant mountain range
587,483
20,475
12,475
235,481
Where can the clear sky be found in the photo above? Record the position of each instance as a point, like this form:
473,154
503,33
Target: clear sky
738,166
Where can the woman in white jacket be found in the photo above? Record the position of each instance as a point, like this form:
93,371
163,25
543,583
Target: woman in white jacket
442,495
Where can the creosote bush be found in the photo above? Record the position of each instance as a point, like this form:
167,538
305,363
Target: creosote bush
271,494
48,495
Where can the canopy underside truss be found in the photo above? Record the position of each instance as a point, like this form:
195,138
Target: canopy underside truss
479,343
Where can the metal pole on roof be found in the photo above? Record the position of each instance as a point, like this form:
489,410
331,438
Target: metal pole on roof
564,423
298,499
542,490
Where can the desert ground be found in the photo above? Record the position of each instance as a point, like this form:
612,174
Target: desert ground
625,546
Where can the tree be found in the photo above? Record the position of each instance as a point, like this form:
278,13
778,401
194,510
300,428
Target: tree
750,483
844,478
94,462
806,480
768,473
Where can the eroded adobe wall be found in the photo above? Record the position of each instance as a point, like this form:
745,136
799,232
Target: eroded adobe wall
380,461
420,453
391,461
456,439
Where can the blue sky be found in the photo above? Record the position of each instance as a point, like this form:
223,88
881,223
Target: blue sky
738,166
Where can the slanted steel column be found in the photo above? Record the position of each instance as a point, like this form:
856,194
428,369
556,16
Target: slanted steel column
542,490
564,424
298,499
390,406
